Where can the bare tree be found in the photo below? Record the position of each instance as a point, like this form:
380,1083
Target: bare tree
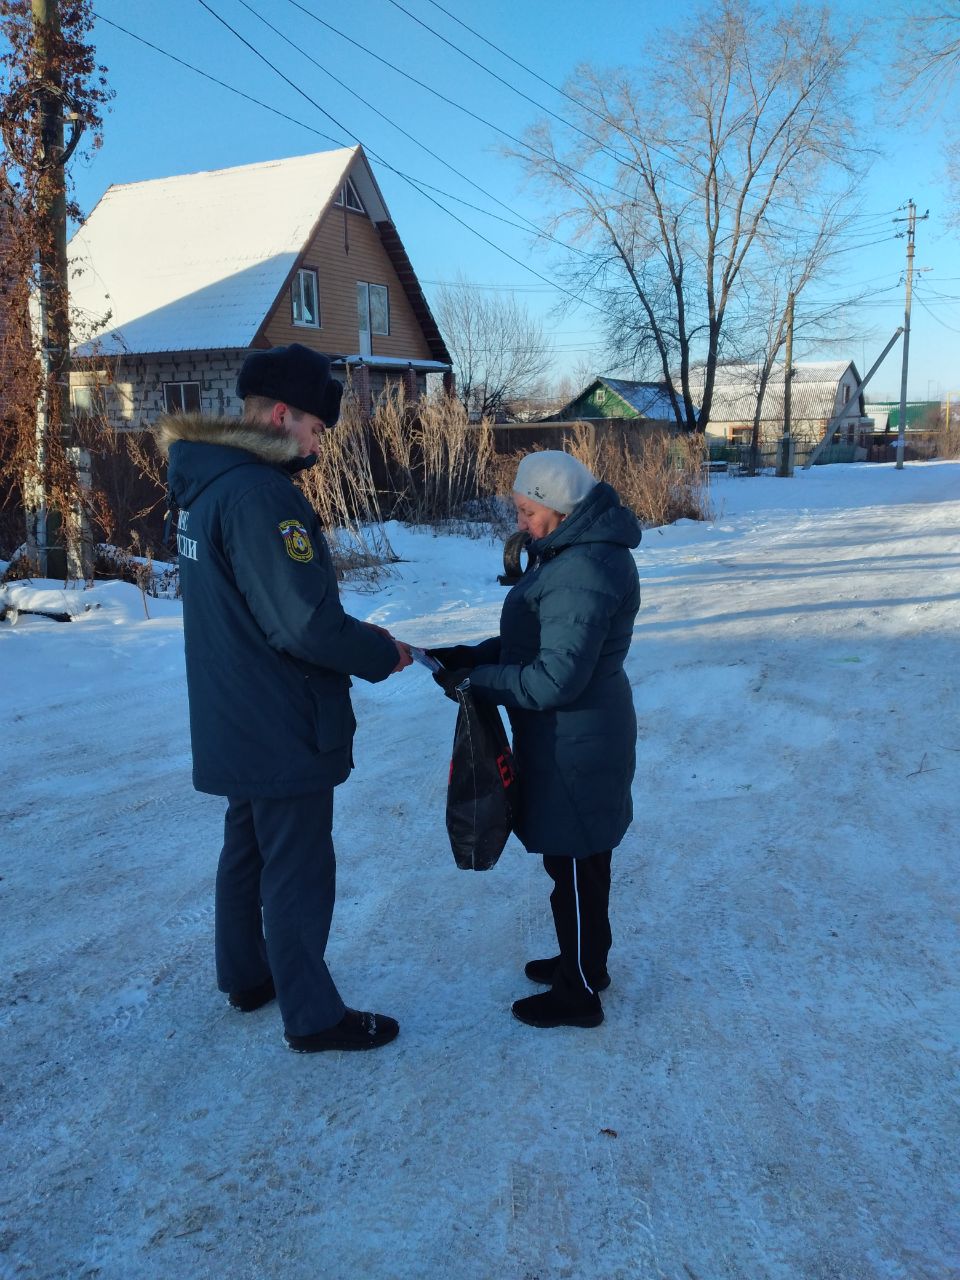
773,281
928,68
49,83
729,149
500,352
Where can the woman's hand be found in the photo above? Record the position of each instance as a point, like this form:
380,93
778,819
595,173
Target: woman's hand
450,681
457,655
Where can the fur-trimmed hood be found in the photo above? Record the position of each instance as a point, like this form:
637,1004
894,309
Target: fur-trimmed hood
267,443
201,449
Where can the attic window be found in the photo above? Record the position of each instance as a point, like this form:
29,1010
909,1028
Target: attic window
305,299
347,196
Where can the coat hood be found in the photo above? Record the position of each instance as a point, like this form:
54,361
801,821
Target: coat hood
201,448
599,517
267,443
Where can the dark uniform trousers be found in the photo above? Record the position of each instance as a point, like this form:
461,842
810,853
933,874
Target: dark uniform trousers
580,901
276,886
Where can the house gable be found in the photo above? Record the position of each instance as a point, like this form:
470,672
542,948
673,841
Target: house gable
204,262
618,398
346,248
598,401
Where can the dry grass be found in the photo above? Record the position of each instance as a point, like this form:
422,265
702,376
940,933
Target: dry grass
661,478
438,465
420,462
424,463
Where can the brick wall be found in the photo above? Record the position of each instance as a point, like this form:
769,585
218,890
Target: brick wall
130,390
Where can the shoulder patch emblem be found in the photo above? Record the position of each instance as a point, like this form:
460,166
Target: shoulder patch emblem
296,540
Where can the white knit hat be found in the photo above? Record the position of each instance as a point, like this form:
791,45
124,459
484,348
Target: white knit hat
554,478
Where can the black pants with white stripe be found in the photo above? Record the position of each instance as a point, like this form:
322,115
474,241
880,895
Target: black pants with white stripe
580,902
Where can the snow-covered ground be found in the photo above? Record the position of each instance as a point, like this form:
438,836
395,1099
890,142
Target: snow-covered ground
773,1095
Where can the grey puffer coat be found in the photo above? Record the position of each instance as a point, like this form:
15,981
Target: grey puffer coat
557,667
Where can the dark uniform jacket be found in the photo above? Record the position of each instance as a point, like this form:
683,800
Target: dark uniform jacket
557,667
269,648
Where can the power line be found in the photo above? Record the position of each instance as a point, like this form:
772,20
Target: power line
933,316
336,142
383,116
851,247
517,63
412,182
469,284
458,106
207,76
552,158
621,159
625,160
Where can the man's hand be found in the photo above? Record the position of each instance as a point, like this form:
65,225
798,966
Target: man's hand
383,630
405,656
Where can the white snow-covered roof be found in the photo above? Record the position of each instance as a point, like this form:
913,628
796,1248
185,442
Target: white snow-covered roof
395,362
650,399
815,390
194,262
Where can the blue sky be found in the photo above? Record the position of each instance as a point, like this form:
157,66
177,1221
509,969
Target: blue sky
166,119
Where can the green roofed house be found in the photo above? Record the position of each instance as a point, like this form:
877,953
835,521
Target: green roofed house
617,398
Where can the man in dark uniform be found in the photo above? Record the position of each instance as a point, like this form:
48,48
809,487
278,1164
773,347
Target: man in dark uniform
269,655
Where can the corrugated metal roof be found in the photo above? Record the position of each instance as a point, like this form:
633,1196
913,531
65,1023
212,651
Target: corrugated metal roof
194,262
814,391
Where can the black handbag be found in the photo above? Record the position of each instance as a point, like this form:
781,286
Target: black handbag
482,793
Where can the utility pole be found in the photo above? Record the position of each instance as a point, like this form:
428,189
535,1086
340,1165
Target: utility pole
911,221
786,443
59,540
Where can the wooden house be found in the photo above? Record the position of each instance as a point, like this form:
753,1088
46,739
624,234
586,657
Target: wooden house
174,280
606,398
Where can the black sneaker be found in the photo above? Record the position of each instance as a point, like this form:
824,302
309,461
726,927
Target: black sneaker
548,1010
545,972
254,998
355,1030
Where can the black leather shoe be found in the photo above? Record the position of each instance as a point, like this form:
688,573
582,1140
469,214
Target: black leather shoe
547,1010
355,1030
254,998
545,972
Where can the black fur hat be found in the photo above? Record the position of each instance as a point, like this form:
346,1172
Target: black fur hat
295,375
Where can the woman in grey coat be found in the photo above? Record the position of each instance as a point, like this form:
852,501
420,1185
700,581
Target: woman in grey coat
557,667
